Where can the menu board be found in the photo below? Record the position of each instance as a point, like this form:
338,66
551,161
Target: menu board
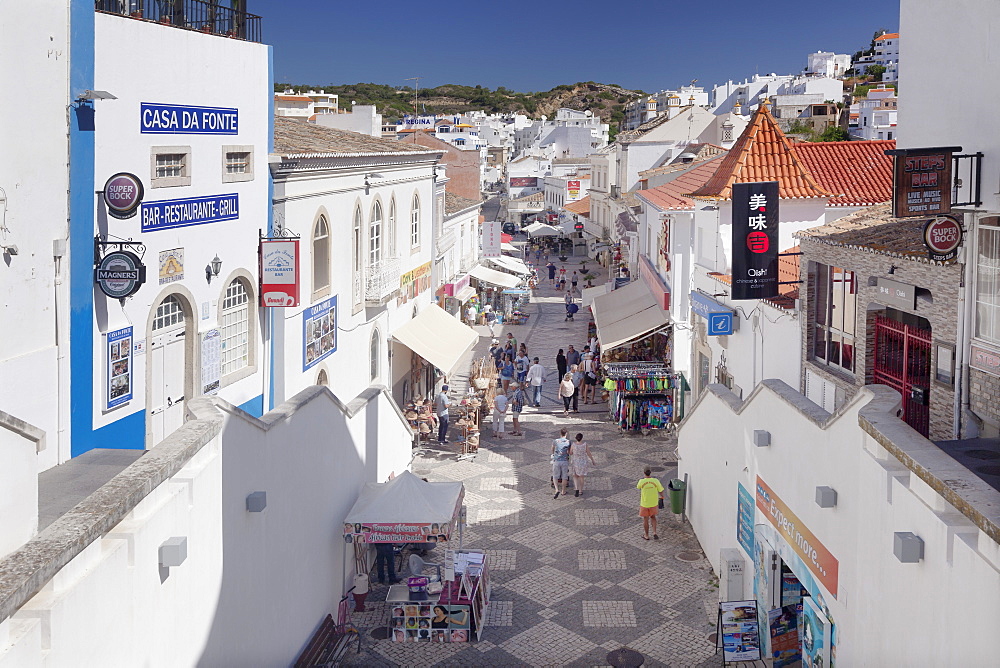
740,630
119,357
211,361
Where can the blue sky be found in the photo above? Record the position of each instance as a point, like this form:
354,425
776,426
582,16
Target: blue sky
533,46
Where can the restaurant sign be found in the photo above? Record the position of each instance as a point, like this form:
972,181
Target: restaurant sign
942,236
755,240
985,360
279,272
921,181
896,294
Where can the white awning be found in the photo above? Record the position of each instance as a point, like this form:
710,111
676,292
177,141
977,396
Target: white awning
627,314
495,277
509,248
542,230
465,294
510,264
590,294
438,337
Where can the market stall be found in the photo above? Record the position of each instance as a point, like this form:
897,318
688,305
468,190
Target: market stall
513,306
408,510
644,396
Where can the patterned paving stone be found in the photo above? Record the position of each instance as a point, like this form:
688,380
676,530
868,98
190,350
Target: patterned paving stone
460,470
608,613
674,644
664,585
507,456
548,644
547,585
597,517
497,483
601,560
597,483
547,537
500,613
502,560
494,517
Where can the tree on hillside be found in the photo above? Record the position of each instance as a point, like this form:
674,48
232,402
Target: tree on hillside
875,72
834,133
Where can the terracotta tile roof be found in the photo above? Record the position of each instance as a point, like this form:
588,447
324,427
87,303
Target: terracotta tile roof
888,35
874,230
762,153
670,196
784,301
533,197
701,153
580,206
454,203
858,173
788,270
299,139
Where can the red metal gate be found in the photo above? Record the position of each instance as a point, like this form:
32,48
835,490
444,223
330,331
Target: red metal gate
903,362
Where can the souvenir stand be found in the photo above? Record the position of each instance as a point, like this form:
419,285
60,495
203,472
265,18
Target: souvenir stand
421,418
409,510
644,395
482,391
513,301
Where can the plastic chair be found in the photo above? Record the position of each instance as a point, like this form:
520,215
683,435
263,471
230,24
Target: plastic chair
417,566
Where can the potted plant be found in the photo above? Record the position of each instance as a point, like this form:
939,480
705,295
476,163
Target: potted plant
583,266
589,278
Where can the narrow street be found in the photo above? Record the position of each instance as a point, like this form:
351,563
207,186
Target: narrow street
572,577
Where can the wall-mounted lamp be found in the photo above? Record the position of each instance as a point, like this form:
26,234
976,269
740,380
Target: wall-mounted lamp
908,547
173,551
213,268
724,293
256,502
372,175
761,438
826,497
892,269
96,95
9,250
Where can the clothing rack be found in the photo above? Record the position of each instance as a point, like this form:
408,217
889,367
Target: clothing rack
643,394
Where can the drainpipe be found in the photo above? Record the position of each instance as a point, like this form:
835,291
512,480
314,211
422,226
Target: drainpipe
966,308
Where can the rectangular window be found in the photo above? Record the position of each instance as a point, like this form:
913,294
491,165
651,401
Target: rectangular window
987,280
835,315
170,166
237,163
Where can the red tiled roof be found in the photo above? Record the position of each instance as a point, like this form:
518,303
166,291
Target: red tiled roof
888,35
762,153
670,196
788,270
858,173
580,206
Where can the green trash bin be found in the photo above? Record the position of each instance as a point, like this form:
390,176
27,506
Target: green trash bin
677,488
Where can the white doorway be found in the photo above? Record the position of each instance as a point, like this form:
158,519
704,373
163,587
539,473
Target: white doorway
167,364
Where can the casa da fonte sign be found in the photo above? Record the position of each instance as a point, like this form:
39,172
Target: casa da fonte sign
921,181
755,240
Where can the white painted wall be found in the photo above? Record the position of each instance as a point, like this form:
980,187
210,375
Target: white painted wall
956,586
362,118
19,482
33,211
129,63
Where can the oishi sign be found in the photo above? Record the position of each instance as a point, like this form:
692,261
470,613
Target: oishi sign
279,272
120,274
123,195
921,181
755,240
942,236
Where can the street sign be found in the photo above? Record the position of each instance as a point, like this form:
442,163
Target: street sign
720,324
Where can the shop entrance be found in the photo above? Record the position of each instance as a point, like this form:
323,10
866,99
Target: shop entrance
167,364
903,362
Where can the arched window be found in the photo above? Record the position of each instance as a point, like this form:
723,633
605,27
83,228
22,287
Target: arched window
321,255
390,232
415,221
357,252
168,314
375,236
235,328
375,352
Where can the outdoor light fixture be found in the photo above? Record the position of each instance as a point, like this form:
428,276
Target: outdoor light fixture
213,268
256,502
372,175
826,497
9,250
96,95
908,547
892,269
761,438
173,551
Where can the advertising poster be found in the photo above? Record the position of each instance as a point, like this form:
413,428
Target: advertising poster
431,532
755,240
574,189
171,265
815,635
413,282
744,519
491,238
740,631
783,628
279,272
429,622
524,182
119,356
211,361
319,333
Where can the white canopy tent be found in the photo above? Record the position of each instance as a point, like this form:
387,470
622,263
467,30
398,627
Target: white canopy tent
543,230
510,264
495,277
407,500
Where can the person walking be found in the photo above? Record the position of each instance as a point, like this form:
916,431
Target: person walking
572,355
566,391
562,273
470,315
385,560
589,368
574,279
491,321
561,363
521,364
535,378
441,404
516,403
512,344
506,372
500,405
560,463
577,375
552,274
650,493
580,460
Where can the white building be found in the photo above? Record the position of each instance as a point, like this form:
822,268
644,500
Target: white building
743,97
361,118
828,64
639,111
886,54
571,134
876,115
294,105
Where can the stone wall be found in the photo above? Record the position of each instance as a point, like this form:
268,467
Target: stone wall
940,310
984,397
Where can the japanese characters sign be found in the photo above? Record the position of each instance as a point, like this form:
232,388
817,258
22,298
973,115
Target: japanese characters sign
279,272
921,182
755,240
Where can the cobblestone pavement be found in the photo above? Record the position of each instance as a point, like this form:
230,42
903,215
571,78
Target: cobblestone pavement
572,577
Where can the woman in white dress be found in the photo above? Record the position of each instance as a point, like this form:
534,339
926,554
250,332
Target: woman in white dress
580,460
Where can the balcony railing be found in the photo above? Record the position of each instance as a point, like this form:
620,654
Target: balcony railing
206,16
381,281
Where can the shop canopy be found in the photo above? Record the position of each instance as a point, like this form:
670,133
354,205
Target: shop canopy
542,230
590,294
438,337
627,314
510,264
509,248
405,510
465,294
495,277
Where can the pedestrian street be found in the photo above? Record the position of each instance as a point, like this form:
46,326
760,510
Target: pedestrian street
572,578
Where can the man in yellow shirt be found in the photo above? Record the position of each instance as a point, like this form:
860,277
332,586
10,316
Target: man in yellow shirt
650,492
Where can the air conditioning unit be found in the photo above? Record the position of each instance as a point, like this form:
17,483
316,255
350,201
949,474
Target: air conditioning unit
731,567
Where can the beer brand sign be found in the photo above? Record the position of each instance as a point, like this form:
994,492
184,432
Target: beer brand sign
942,236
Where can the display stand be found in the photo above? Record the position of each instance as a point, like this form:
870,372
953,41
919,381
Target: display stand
643,395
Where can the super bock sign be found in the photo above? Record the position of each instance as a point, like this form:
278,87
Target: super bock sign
755,240
122,195
120,274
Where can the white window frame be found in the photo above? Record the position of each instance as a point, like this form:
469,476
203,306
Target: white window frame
236,177
375,352
415,222
169,181
234,325
390,233
990,332
319,290
375,235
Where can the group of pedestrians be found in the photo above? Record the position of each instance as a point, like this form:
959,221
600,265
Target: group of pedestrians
570,458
